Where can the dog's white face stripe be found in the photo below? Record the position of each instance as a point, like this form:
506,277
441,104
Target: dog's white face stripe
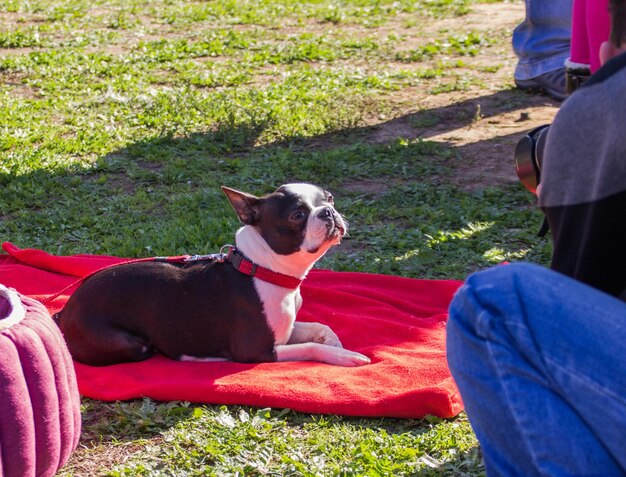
316,234
306,191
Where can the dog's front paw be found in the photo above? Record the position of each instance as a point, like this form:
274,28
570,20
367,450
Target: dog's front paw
321,353
324,335
343,357
307,332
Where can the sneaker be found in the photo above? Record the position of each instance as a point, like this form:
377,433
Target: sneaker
551,83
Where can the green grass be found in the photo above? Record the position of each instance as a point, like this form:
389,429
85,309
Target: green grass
119,120
205,441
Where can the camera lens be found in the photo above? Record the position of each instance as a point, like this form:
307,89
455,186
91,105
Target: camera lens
529,157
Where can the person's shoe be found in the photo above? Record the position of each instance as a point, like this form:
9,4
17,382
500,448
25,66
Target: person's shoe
576,74
551,83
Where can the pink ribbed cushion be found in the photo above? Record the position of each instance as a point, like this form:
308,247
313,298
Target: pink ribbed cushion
39,402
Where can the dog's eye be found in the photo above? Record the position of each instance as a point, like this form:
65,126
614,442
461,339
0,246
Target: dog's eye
330,199
297,215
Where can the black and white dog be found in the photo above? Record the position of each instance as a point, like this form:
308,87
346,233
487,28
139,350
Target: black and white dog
241,307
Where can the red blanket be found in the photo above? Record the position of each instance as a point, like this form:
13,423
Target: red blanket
398,322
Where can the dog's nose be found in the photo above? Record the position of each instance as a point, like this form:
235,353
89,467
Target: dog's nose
326,213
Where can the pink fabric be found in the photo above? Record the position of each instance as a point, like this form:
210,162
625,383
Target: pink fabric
591,26
40,419
398,322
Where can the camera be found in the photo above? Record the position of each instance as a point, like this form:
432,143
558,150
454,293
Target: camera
529,157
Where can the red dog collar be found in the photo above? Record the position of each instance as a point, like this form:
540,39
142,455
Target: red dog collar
247,267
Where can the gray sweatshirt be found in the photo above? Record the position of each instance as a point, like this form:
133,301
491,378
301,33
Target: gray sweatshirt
583,181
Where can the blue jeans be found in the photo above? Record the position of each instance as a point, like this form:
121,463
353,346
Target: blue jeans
541,42
540,361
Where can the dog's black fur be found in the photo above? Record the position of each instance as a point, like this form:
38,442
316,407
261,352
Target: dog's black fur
183,296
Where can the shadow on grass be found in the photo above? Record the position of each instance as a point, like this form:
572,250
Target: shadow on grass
481,163
222,155
129,420
397,188
235,142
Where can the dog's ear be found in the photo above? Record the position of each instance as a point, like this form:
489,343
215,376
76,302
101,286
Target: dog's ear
246,205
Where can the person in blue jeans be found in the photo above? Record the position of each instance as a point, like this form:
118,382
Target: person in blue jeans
539,355
540,361
542,45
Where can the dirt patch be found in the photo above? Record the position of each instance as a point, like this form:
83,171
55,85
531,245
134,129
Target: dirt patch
482,128
6,52
83,463
14,82
486,16
366,187
482,123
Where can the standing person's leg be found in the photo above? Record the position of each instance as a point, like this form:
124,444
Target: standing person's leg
540,361
598,28
542,44
579,49
577,66
591,26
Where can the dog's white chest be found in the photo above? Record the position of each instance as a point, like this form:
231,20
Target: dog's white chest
280,307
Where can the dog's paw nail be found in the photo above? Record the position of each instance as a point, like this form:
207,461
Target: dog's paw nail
357,359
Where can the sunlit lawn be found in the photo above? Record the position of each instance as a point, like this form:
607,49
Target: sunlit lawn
119,120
